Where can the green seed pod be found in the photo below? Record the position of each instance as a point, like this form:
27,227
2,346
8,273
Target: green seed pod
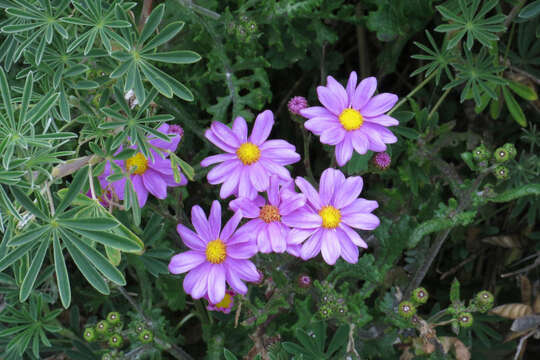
102,327
420,295
501,172
510,149
465,319
484,300
406,309
146,336
113,318
116,341
325,311
139,327
481,153
501,155
89,334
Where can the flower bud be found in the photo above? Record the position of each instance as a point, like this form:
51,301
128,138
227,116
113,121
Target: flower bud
102,327
146,336
501,172
325,311
382,160
481,153
406,309
89,334
465,319
107,356
484,300
304,281
139,327
113,318
420,295
501,155
511,150
116,341
296,104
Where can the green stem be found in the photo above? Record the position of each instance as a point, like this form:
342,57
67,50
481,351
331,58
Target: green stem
413,91
439,102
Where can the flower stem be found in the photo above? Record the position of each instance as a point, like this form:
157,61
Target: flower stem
439,102
413,91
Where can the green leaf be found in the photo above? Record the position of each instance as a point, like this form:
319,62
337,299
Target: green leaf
31,276
42,107
92,224
27,203
229,355
6,96
513,107
79,181
27,94
157,80
29,236
115,241
62,278
15,255
530,10
512,194
523,90
56,136
175,57
468,158
164,35
406,132
454,291
152,22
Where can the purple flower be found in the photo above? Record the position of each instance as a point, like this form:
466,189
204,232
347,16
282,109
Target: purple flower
267,226
248,162
225,305
216,256
147,175
352,118
382,160
327,219
296,104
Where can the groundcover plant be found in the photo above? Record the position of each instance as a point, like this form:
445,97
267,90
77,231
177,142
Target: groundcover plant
264,179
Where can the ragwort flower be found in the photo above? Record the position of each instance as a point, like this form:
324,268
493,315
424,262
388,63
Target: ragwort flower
352,118
329,216
248,162
216,256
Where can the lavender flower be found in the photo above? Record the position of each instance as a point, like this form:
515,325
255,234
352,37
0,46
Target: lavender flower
296,104
382,160
352,118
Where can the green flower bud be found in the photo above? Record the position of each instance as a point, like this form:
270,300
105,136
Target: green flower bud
342,310
501,172
484,300
420,295
510,149
501,155
481,153
325,311
146,336
119,326
102,327
113,318
107,356
89,334
116,341
406,309
139,327
465,319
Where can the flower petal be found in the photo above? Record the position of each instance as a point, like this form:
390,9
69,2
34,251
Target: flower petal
327,186
262,128
234,281
344,150
200,223
209,134
364,92
348,191
180,263
248,207
290,203
214,159
277,234
360,142
242,250
240,129
309,191
379,104
361,221
216,283
353,236
349,251
303,219
225,134
331,100
214,219
230,186
196,281
230,226
191,239
319,124
385,134
333,135
297,236
273,190
245,187
351,87
259,177
330,246
359,206
383,120
337,89
315,111
220,173
154,183
312,246
140,190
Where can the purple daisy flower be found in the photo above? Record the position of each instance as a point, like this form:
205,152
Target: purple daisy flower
352,118
216,256
147,175
327,219
267,226
248,162
225,305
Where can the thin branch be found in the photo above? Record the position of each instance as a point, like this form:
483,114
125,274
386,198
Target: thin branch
363,58
49,196
145,13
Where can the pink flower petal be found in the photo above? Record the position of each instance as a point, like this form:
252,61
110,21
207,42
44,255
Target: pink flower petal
303,219
349,251
230,226
361,221
353,236
220,173
240,129
344,150
180,263
312,246
273,190
315,111
225,134
326,186
360,142
383,120
196,281
140,190
333,135
337,89
191,239
248,207
259,177
275,168
262,128
234,281
200,223
318,125
209,134
359,206
348,191
245,187
331,100
154,183
242,250
364,92
216,283
297,236
379,104
330,246
230,186
351,87
214,159
214,219
277,234
309,191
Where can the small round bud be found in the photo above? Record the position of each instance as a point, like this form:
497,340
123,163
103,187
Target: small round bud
420,295
113,318
325,311
296,104
146,336
501,155
329,299
381,160
342,310
484,300
102,327
406,309
481,153
251,27
89,334
107,356
304,281
116,341
465,319
510,149
501,172
139,327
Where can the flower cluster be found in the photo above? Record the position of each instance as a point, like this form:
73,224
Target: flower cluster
278,218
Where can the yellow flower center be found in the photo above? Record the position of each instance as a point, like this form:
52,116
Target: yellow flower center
225,303
248,153
216,251
269,213
351,119
137,163
330,217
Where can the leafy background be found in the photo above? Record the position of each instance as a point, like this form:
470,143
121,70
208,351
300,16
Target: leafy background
466,72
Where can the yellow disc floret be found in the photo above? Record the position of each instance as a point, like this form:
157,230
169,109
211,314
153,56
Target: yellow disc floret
331,217
225,303
351,119
137,163
216,251
248,153
269,214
